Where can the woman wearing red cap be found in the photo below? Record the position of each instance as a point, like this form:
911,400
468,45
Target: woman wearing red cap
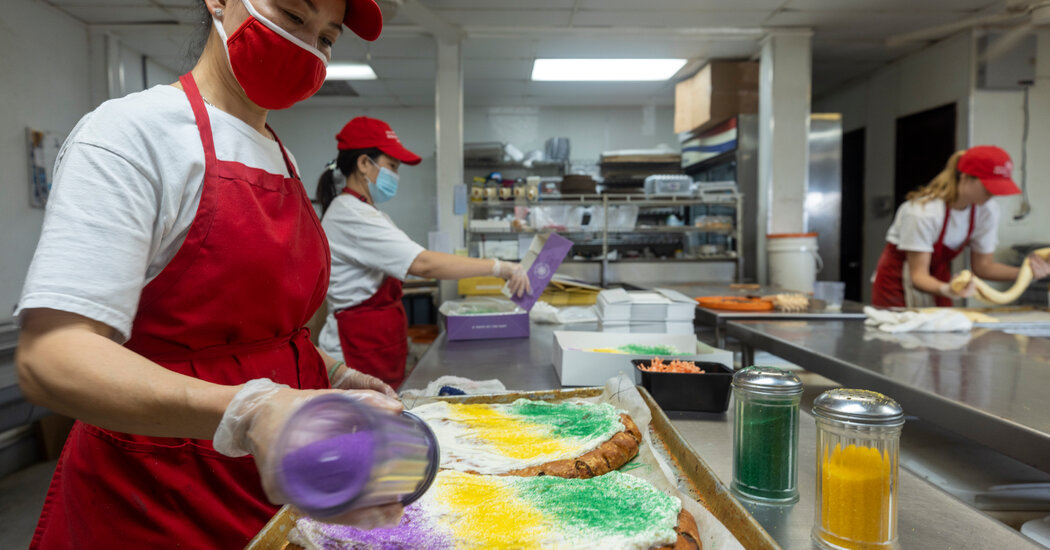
366,322
179,261
940,219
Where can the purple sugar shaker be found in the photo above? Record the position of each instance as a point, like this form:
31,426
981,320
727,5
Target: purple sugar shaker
337,455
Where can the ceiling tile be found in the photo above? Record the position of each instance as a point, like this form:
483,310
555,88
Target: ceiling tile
596,90
405,68
681,5
497,4
120,14
411,86
96,3
859,26
907,6
669,18
509,17
493,69
500,48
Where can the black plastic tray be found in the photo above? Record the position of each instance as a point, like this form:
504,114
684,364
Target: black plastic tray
673,391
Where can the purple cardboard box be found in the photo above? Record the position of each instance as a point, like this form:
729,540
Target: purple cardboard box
541,261
481,327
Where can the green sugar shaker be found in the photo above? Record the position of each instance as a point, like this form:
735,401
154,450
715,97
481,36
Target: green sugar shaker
765,434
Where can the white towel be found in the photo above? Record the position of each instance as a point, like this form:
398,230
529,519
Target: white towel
944,320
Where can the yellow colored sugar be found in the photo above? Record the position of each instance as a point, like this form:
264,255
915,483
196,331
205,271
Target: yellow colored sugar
856,489
508,434
507,522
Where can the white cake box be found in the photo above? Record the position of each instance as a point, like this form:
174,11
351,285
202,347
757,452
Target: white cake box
577,367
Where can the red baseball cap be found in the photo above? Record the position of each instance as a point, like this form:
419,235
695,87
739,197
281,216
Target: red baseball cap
364,18
365,133
992,166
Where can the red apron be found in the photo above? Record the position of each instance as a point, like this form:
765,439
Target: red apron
229,307
374,333
888,288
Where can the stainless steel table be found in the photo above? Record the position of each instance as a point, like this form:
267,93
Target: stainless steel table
717,318
929,517
988,386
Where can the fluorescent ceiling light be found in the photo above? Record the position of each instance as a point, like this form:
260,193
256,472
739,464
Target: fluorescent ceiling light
605,69
350,71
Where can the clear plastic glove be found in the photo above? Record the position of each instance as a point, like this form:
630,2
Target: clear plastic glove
346,378
515,275
1040,267
253,420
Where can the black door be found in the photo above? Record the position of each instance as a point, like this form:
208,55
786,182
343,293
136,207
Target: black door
924,142
851,253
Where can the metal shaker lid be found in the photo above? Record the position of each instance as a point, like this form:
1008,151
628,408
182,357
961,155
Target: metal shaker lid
767,380
859,407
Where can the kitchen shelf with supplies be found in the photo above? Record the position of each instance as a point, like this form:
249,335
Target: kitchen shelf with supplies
610,229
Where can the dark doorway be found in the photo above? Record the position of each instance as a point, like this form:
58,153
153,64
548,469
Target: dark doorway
851,255
924,142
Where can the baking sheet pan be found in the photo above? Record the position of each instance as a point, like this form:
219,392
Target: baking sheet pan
694,478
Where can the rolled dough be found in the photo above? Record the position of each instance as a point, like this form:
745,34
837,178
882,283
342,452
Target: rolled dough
987,294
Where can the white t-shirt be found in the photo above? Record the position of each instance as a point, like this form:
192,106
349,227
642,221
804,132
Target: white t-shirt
917,226
126,188
366,248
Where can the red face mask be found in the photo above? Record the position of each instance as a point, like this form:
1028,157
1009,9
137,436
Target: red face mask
275,69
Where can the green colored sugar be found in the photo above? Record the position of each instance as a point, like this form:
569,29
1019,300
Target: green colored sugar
614,503
657,349
583,421
766,443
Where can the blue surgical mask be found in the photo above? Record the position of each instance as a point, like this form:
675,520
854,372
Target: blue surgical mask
385,186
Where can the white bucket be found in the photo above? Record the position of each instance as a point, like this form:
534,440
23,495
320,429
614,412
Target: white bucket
793,260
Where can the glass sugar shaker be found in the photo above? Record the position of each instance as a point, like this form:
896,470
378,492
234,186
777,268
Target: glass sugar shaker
765,434
858,441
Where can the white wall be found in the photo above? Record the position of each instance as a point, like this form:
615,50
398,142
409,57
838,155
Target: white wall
938,75
590,130
46,86
998,118
309,132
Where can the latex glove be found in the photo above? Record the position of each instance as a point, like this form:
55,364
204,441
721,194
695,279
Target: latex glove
346,378
253,420
1040,267
515,275
968,291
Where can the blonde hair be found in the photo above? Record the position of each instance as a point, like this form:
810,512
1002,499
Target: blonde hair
944,185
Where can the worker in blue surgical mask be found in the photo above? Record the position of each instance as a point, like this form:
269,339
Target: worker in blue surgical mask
366,324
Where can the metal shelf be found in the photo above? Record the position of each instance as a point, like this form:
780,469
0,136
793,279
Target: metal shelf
610,238
610,200
642,229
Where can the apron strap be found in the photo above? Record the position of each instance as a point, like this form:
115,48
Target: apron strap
969,232
200,114
359,196
944,226
287,161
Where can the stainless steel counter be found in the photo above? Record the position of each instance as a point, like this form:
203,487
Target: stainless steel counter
718,318
988,386
929,517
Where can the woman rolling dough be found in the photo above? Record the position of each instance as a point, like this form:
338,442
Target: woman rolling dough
937,222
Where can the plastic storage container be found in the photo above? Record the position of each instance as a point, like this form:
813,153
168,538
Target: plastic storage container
858,440
765,434
339,455
673,391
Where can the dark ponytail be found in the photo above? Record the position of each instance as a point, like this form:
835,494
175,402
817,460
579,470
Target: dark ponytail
346,162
